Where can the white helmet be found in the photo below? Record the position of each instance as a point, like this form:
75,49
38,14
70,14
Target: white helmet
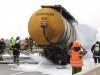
17,41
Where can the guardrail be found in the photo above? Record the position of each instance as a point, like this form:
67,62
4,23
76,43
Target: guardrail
22,46
94,70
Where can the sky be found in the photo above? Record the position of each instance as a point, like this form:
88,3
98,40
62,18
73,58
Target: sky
15,14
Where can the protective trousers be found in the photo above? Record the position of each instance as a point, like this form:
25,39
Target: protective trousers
76,70
16,58
1,59
96,60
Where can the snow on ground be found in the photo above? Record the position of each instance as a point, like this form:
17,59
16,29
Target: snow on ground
85,34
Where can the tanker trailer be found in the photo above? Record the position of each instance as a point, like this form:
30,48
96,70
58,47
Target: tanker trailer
51,28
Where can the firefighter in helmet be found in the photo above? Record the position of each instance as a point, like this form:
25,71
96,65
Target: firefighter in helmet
95,49
16,51
12,42
76,53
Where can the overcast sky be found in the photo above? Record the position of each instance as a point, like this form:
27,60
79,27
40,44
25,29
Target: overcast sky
15,14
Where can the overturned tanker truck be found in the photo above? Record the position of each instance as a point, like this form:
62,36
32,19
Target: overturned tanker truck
51,27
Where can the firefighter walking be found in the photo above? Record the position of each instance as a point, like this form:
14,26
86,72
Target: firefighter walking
76,55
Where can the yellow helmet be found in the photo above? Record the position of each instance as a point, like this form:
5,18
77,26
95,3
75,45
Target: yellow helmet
12,37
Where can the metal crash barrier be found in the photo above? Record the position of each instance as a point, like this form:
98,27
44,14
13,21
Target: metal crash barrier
94,70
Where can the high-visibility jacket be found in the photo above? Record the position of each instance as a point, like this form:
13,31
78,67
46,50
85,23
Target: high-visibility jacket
12,42
75,60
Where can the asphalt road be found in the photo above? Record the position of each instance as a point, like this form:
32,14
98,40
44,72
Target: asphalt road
5,69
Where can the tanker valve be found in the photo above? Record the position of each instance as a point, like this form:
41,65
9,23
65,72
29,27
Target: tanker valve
43,25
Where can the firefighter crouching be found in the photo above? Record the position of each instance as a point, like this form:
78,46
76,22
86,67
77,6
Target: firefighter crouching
76,55
16,51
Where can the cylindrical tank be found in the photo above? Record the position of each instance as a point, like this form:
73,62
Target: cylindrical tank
51,28
57,29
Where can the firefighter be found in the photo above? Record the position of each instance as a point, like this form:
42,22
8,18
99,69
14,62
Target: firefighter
30,43
26,43
95,49
2,47
16,52
76,54
12,42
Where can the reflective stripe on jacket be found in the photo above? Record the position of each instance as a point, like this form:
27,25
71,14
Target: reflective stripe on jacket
96,48
75,60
